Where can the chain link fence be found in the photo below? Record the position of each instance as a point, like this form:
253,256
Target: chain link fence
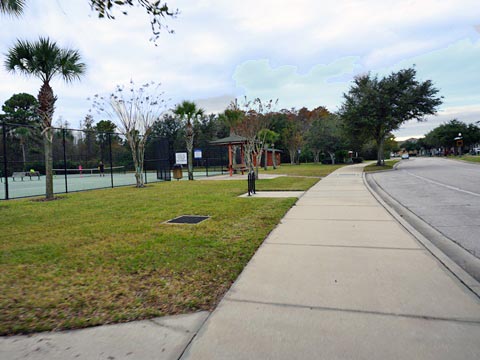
87,159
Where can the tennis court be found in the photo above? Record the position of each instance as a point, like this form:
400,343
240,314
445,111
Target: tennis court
89,179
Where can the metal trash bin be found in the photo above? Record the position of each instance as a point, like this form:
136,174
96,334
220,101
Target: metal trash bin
177,171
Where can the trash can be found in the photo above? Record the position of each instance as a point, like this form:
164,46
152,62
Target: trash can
177,171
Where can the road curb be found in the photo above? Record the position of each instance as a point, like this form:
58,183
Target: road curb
456,270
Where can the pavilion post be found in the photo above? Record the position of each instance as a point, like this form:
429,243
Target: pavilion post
230,167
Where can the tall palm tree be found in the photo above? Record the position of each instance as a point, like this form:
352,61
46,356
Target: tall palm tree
188,111
45,60
12,7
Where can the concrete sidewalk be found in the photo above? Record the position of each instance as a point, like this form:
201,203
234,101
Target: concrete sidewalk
339,278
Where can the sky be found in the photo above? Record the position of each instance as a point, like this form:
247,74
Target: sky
303,53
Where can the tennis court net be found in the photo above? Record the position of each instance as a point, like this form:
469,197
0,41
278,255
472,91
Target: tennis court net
89,172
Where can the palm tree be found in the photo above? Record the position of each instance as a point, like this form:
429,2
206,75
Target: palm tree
188,111
12,7
232,117
45,60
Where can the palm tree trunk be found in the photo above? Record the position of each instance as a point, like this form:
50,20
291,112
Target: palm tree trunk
189,143
46,100
24,158
48,140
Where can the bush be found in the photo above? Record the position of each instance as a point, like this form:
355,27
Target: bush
357,160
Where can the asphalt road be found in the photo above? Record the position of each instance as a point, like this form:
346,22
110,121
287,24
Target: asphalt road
444,193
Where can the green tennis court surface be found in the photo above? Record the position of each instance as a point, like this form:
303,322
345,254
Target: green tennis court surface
77,182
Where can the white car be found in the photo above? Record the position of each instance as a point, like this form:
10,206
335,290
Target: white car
405,156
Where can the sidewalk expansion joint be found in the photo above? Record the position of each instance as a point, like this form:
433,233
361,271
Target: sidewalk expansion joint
475,322
348,246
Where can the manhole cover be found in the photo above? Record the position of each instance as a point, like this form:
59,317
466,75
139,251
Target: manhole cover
188,219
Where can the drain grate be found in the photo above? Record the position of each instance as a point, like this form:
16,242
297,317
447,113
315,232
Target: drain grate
188,219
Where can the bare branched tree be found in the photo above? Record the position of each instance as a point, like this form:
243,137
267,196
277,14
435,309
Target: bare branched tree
255,120
136,109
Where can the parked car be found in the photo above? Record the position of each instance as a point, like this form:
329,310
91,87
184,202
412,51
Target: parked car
405,156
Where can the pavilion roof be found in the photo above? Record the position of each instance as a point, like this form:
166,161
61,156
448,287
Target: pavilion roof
232,140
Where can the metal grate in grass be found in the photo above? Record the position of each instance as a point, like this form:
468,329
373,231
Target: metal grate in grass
188,219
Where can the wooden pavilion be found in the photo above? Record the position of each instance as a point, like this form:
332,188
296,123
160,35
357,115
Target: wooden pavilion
230,141
236,140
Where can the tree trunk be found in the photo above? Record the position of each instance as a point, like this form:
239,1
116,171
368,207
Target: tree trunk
139,166
47,140
46,100
137,147
265,152
380,154
332,157
249,155
257,163
274,159
292,155
24,158
316,156
189,143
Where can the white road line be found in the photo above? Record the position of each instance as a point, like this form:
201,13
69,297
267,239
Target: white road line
442,184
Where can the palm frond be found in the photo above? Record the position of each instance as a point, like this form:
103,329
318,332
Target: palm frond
12,7
44,59
70,65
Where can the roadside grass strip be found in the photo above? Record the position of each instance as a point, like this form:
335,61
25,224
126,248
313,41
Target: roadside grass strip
311,169
389,164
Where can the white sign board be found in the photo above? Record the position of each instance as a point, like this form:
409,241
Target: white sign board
181,158
197,154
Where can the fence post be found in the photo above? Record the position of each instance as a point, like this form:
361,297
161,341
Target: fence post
65,159
111,160
207,154
5,161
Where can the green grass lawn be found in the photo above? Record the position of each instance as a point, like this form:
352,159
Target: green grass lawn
471,158
388,166
311,169
106,256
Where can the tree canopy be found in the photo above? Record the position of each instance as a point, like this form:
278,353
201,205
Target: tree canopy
374,107
21,109
325,135
444,135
